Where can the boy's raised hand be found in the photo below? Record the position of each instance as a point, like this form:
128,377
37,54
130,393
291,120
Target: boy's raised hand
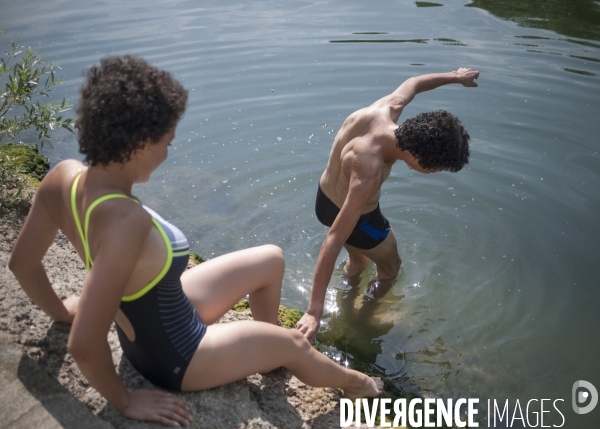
467,77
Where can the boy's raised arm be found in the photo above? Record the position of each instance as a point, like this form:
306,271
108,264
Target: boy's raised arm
405,93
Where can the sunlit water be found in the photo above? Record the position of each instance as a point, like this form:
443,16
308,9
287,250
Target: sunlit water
499,292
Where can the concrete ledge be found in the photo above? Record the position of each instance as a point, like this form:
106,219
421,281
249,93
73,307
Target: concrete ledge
29,398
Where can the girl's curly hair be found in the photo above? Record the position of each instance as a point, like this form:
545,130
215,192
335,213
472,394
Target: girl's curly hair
436,139
125,103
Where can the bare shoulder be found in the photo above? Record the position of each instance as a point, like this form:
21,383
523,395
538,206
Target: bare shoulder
50,194
119,216
68,168
47,213
62,174
363,161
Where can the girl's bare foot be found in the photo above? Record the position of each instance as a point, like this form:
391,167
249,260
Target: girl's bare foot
371,386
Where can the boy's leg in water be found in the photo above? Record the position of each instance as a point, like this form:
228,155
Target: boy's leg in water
386,257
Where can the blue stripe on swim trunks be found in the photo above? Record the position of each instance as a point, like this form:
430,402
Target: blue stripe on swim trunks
372,232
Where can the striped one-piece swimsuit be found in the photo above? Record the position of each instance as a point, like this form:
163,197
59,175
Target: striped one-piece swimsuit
167,327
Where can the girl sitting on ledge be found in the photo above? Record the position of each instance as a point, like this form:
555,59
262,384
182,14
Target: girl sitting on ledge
136,260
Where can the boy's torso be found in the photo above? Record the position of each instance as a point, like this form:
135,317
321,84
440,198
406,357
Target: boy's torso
361,147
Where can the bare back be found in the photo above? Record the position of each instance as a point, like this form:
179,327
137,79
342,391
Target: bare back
363,142
55,196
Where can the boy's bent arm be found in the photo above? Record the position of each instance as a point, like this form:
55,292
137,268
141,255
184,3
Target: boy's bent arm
405,93
361,189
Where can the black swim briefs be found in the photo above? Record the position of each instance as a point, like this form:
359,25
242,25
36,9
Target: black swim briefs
370,230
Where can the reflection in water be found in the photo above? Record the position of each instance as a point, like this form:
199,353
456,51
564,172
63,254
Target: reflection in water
583,43
581,72
381,41
543,52
430,356
577,42
552,44
450,42
595,60
444,41
356,328
570,70
427,4
356,332
575,18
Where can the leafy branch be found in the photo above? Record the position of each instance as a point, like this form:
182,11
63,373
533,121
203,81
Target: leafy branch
25,75
25,78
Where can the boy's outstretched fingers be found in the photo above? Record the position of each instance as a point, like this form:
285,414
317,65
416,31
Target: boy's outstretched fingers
468,77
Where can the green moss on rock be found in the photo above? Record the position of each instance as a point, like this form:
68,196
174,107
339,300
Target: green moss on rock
25,158
287,317
195,258
243,305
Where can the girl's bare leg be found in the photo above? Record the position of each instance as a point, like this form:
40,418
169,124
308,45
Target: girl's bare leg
215,286
232,351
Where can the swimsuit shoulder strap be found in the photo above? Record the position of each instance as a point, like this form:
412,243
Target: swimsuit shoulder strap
83,233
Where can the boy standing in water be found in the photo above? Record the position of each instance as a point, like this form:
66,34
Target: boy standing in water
364,150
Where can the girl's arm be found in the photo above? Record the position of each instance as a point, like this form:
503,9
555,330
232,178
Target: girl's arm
123,236
26,260
121,228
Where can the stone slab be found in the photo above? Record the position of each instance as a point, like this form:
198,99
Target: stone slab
29,398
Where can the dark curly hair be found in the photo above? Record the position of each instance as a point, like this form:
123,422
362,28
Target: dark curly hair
436,139
125,103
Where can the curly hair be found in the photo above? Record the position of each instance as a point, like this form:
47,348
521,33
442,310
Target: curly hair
125,103
436,139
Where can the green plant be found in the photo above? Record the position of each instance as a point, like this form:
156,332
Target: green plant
25,75
14,185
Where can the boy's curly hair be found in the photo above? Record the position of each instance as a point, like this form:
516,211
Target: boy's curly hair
436,139
125,103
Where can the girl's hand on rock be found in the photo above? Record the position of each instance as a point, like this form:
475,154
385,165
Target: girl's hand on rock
71,303
157,406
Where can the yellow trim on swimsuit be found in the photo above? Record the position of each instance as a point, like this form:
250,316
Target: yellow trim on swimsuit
88,257
162,273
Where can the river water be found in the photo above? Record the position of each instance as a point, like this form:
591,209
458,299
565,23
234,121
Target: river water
499,294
